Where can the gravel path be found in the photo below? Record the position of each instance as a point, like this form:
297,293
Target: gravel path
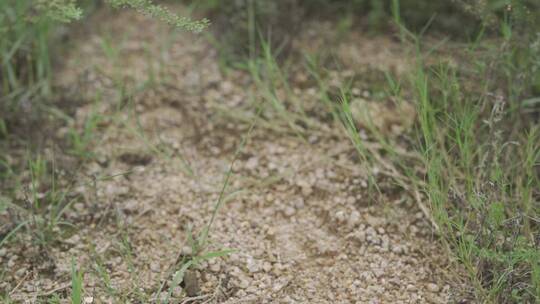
305,226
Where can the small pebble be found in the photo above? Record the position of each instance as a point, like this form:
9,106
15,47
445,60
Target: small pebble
432,287
155,267
11,262
216,267
289,211
191,283
187,251
267,267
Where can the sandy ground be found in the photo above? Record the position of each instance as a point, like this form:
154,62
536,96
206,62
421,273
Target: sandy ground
305,226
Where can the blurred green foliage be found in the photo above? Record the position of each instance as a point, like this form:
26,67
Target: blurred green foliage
459,19
26,30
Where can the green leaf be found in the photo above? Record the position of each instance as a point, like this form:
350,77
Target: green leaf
496,213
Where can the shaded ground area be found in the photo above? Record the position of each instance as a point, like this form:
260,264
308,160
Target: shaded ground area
304,223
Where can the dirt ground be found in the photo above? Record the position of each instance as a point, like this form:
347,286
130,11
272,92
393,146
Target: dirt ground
300,215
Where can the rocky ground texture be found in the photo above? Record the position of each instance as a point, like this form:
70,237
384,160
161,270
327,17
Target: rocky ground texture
304,223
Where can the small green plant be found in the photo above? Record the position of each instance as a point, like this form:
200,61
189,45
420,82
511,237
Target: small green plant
41,212
76,283
199,243
54,299
190,261
81,141
102,272
44,203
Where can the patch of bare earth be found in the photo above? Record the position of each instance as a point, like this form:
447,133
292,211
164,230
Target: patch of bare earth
305,225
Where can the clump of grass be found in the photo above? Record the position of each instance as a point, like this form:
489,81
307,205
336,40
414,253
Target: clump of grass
76,284
482,184
481,153
41,210
24,53
80,141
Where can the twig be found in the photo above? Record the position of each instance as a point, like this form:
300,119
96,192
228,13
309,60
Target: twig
54,290
19,284
425,210
391,171
193,299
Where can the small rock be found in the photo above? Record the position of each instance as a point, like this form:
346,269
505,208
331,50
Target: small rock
20,272
307,190
267,267
216,267
88,300
252,265
277,269
373,221
227,87
155,267
397,249
361,236
242,283
270,233
289,211
11,262
177,291
278,286
74,239
186,251
340,216
79,206
191,283
378,272
252,163
354,218
299,203
432,287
